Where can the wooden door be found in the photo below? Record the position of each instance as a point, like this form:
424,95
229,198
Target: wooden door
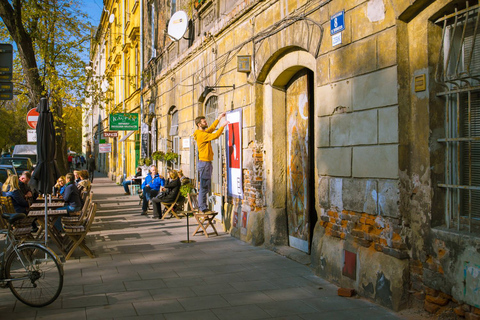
298,161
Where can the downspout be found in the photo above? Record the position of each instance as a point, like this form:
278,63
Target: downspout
124,144
141,77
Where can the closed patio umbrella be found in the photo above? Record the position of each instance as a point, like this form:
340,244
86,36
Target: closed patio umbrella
46,171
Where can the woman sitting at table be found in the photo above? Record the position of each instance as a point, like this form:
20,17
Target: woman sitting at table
60,186
73,202
167,194
11,189
84,184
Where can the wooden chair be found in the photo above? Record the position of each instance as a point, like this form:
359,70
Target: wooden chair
204,220
76,233
170,208
78,219
21,229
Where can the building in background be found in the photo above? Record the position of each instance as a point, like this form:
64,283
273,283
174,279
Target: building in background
358,130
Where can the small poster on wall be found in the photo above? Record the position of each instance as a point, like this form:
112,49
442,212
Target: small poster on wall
234,153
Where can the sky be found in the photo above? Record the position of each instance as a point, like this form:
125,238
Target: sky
94,9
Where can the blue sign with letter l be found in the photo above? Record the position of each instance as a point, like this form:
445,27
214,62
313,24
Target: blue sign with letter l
337,22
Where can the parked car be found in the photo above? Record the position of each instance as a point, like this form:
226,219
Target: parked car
4,173
9,167
26,150
20,163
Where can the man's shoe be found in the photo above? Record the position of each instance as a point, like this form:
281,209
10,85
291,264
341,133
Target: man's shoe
127,193
144,213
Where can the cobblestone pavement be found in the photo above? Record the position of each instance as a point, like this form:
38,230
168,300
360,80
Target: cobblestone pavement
142,270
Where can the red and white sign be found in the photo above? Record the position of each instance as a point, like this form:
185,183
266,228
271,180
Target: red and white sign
32,118
110,134
104,148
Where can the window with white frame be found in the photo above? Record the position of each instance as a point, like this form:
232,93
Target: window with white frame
176,149
152,30
458,70
173,122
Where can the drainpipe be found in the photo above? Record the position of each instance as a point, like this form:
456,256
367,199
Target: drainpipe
124,90
141,75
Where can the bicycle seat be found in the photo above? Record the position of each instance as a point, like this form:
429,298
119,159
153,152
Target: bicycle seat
12,217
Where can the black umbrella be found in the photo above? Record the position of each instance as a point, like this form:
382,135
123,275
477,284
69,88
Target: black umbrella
46,171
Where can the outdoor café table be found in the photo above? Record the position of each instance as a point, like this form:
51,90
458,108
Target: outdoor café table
41,205
42,200
53,215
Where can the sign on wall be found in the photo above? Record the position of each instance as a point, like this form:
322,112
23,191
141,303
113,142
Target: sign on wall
124,121
337,22
110,134
234,154
105,148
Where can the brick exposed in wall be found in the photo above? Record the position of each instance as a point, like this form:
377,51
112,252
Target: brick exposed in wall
366,230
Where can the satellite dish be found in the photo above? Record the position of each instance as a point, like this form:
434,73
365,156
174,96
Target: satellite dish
177,26
111,18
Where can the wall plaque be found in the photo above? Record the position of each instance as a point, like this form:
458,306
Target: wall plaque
244,63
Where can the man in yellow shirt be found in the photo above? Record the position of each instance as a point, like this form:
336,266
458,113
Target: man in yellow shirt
203,135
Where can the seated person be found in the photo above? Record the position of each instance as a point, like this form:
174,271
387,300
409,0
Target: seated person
84,185
76,174
167,194
11,189
136,179
59,188
23,181
151,187
72,198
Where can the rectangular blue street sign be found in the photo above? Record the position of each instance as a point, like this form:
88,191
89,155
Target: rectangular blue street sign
337,22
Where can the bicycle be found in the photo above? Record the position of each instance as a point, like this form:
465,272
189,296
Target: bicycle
32,271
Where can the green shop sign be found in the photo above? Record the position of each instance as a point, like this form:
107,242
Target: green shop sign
124,121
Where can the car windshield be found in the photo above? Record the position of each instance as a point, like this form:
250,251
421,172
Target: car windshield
17,163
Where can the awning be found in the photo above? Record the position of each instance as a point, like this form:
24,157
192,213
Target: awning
125,137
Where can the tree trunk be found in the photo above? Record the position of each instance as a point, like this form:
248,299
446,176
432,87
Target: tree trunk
12,17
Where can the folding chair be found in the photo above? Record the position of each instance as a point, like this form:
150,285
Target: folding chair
77,233
170,208
204,219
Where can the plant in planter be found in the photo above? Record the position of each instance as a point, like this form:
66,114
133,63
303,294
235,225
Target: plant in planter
171,157
186,189
158,155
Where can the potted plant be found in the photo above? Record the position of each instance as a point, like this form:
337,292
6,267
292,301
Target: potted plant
171,157
158,155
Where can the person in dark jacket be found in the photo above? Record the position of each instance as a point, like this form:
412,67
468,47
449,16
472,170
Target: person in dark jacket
71,195
11,189
137,179
168,193
91,166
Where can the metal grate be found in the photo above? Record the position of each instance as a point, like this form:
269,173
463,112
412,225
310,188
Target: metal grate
458,70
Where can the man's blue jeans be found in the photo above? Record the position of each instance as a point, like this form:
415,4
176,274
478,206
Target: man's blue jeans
148,194
126,183
204,169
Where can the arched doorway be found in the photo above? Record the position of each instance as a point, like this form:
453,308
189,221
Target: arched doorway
299,162
288,113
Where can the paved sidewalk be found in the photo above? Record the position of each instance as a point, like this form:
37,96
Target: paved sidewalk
143,271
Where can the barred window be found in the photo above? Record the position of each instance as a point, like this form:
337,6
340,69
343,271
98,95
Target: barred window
458,70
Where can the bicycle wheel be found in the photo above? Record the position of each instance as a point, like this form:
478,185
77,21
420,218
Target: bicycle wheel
36,275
